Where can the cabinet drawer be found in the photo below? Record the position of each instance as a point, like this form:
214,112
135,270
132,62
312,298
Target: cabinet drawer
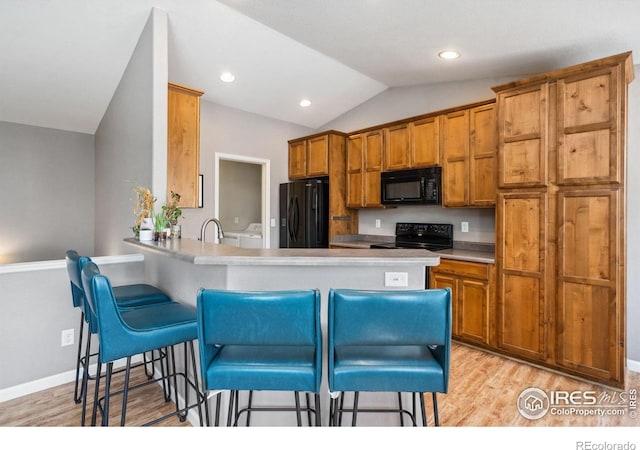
463,268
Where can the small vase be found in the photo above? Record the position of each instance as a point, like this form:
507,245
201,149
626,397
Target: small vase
146,235
176,231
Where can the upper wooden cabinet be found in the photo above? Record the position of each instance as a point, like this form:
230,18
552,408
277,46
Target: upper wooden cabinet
364,166
183,144
425,142
412,144
589,115
309,157
469,157
523,120
397,147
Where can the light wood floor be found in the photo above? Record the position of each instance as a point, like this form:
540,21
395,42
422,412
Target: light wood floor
483,390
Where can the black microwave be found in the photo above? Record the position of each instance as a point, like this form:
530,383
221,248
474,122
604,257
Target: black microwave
412,187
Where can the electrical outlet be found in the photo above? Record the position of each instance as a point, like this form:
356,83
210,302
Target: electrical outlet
378,223
398,279
273,222
236,220
66,337
464,227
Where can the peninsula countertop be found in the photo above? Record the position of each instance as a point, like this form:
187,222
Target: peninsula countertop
198,252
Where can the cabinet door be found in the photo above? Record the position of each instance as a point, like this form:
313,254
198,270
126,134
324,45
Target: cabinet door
473,307
455,156
183,144
443,280
396,148
590,312
354,171
297,160
318,156
521,221
425,142
482,156
589,123
522,137
374,142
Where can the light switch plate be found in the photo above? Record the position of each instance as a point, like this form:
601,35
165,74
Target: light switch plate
464,227
396,279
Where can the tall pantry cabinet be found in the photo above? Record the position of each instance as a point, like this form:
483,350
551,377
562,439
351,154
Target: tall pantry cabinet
560,215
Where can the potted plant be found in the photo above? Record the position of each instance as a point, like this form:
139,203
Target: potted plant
143,210
160,223
172,213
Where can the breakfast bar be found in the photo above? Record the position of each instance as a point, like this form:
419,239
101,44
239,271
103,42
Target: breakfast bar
182,266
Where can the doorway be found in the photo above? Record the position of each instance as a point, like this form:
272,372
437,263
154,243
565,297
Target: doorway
243,197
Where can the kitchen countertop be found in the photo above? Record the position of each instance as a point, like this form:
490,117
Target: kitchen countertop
198,252
462,251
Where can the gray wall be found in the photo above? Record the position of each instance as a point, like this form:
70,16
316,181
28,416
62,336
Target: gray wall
240,194
46,180
36,307
125,142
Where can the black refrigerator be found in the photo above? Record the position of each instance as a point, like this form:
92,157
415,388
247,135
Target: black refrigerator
304,214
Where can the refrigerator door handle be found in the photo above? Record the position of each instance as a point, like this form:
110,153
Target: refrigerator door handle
296,218
290,220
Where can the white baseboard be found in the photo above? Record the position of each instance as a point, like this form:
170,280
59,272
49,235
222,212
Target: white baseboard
50,382
633,366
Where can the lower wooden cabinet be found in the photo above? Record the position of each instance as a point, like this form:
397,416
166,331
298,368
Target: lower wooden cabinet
472,289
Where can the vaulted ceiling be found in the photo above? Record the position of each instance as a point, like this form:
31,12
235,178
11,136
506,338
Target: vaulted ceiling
60,61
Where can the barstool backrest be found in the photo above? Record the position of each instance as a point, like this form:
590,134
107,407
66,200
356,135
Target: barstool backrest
260,318
360,317
75,263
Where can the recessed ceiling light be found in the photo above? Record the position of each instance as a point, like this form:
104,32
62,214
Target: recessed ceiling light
227,77
449,54
305,102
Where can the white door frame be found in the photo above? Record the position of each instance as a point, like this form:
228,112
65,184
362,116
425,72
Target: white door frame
266,189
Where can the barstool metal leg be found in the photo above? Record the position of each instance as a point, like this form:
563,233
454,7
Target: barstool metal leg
107,389
77,397
400,409
125,392
435,409
96,393
85,381
355,408
318,412
249,407
298,412
230,413
423,410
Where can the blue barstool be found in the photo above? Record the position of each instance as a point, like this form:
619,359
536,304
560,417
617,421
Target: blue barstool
127,297
125,333
261,341
388,341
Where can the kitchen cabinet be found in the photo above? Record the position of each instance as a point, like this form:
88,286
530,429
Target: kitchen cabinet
364,166
469,154
309,157
324,155
397,147
412,144
183,144
425,142
472,290
455,159
560,228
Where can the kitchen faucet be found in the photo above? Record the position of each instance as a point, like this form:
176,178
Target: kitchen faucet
204,227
